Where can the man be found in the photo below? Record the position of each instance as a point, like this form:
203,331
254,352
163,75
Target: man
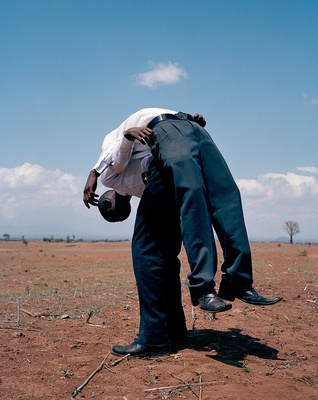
194,183
156,263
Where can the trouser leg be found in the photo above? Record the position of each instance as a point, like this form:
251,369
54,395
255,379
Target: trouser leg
206,194
155,247
179,163
226,208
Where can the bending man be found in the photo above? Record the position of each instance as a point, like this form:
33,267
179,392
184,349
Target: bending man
195,184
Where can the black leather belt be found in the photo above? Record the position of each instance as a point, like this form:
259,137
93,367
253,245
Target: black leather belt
163,117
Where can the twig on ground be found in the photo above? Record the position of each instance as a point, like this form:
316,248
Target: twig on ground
42,314
309,284
119,360
78,389
310,341
88,318
200,396
10,322
98,326
18,313
183,386
181,380
193,328
108,369
313,301
131,297
148,373
20,328
126,295
194,317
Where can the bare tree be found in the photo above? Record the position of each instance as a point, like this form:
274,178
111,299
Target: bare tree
292,228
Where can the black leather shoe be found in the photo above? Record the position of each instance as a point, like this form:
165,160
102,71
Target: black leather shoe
138,350
212,302
231,288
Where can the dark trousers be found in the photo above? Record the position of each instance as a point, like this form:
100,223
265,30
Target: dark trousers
206,195
155,247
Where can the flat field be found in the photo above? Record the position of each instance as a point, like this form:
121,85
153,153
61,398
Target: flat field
50,345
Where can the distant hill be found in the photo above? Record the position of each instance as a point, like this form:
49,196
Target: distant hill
282,239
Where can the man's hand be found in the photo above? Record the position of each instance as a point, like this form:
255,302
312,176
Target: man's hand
200,120
89,195
144,135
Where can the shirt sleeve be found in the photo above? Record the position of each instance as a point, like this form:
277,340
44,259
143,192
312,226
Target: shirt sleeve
116,149
121,154
116,152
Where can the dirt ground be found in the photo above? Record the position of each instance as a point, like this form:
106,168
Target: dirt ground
49,347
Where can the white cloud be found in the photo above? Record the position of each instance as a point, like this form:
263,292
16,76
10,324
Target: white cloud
273,187
28,188
273,198
31,195
311,170
161,73
37,201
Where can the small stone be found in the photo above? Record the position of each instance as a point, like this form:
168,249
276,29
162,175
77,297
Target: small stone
64,316
18,334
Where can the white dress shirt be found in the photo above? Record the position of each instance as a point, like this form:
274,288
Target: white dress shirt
122,161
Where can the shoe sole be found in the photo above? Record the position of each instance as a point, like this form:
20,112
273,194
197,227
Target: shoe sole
255,303
224,308
129,355
148,354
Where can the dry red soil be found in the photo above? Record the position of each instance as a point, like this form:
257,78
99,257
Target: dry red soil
249,352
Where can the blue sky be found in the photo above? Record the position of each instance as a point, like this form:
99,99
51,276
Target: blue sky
72,71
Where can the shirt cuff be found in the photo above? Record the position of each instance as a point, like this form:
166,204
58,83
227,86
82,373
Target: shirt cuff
100,167
126,145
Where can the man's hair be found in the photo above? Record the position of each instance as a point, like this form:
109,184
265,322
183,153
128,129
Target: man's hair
114,207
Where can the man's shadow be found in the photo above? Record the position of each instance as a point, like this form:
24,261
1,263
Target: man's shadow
230,347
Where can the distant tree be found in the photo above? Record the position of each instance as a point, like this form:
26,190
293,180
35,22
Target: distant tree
6,236
292,228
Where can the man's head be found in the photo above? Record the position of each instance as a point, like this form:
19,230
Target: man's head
114,207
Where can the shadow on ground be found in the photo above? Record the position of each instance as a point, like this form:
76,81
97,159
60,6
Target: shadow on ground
230,347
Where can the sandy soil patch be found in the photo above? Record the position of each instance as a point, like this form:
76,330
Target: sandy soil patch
248,352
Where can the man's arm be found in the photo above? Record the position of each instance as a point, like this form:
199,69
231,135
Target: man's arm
89,195
143,134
